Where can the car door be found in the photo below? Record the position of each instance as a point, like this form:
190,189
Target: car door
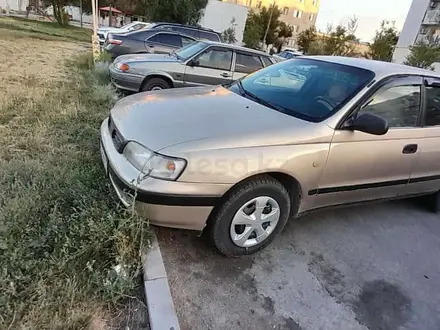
211,67
363,166
163,43
245,64
425,175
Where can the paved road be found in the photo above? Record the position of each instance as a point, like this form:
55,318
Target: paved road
371,267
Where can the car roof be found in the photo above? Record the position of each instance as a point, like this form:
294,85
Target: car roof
380,68
184,25
235,47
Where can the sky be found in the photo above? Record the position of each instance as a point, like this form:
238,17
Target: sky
369,13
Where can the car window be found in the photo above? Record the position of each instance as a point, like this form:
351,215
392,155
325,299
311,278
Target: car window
154,38
247,63
137,27
216,59
208,36
305,88
432,106
266,61
399,105
186,41
170,39
189,32
190,50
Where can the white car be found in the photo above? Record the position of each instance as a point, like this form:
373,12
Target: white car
133,26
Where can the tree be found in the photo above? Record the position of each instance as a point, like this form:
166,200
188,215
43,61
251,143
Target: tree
384,42
338,41
284,31
173,11
58,10
266,20
252,31
424,54
305,39
228,35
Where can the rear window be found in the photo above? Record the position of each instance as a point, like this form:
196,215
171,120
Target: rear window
246,63
188,32
208,36
266,61
167,39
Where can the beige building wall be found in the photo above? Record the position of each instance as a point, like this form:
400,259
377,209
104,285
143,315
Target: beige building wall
300,14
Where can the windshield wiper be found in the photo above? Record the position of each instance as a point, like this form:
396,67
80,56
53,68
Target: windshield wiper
244,92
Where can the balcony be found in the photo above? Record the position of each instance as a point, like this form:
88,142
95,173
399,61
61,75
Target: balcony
432,17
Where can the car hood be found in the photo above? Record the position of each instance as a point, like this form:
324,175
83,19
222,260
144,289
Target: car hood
172,117
133,58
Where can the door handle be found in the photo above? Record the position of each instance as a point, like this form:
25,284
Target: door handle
150,45
224,74
409,149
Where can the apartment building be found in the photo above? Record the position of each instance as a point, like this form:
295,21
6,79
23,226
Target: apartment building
422,23
300,14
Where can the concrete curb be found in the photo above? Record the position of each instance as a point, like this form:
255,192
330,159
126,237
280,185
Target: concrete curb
161,311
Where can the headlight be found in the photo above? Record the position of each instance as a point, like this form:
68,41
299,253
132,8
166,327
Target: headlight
121,66
153,164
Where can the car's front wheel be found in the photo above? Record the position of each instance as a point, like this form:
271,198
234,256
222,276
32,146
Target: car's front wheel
155,84
251,215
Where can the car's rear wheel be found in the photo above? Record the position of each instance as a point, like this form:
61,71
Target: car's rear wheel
251,215
432,202
155,84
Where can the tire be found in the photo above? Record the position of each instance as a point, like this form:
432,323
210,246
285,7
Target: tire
155,84
432,202
219,230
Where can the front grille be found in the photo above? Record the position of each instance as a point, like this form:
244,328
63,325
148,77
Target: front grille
117,138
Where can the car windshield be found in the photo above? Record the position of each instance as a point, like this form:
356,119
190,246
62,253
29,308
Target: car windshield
190,50
305,88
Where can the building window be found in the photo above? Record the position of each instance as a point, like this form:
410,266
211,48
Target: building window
300,0
249,3
296,28
315,2
285,10
297,13
311,17
259,4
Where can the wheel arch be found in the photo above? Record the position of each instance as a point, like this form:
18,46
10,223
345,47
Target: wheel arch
163,76
291,184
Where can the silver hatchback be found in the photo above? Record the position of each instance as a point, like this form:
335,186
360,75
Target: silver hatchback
198,64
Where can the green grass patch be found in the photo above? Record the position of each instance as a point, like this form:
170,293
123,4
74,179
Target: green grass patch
46,30
62,231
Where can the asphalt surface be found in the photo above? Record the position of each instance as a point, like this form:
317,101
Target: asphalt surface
368,267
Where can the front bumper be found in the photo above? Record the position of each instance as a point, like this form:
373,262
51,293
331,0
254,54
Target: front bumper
165,203
125,81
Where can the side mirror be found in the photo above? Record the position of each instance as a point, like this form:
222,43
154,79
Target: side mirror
369,123
193,63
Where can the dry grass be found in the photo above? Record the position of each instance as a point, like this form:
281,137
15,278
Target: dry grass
61,230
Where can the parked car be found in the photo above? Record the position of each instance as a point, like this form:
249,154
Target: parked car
287,54
200,63
146,41
133,26
238,162
197,32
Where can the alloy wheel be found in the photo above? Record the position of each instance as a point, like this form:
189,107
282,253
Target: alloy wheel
254,221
